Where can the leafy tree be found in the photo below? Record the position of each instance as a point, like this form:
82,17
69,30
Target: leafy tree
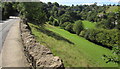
104,37
55,22
54,8
49,4
69,27
60,12
65,18
7,9
56,4
51,18
65,24
78,27
34,12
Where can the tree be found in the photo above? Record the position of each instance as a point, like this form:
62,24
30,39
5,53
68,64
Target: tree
78,27
55,22
34,12
60,12
51,18
56,4
7,9
69,27
50,4
65,24
65,18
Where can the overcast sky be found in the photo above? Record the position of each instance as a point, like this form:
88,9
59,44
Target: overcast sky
75,2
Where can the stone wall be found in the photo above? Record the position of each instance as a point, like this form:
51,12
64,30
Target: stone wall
37,54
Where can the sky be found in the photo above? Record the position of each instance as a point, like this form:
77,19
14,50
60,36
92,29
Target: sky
78,2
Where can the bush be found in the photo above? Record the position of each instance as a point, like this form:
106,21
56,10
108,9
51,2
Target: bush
50,22
65,24
69,28
55,22
82,33
107,38
51,18
65,18
78,27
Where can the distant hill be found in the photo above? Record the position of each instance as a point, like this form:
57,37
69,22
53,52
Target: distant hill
110,9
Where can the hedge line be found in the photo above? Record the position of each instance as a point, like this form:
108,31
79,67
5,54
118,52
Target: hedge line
107,38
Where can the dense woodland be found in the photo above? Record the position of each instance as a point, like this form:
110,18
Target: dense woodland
70,18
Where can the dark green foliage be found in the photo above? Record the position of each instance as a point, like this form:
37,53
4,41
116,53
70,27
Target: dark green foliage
108,20
116,51
69,27
35,12
108,38
65,24
56,4
104,24
55,22
50,22
78,27
8,10
51,18
60,12
65,18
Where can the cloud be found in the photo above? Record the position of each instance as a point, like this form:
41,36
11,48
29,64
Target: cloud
87,3
114,0
90,4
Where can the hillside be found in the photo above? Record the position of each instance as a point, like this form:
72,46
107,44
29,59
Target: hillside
88,24
64,44
110,9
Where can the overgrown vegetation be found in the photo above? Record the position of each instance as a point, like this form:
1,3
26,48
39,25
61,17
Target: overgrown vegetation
8,10
107,38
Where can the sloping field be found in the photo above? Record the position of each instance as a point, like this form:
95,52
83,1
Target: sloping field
112,9
88,24
75,51
90,50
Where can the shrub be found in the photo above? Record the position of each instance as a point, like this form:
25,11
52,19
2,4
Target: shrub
50,22
65,24
82,33
55,22
51,18
108,38
78,27
69,27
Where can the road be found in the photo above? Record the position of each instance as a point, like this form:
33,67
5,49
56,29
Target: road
12,51
4,29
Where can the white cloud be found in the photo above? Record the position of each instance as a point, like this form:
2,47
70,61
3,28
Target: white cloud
90,4
115,0
87,3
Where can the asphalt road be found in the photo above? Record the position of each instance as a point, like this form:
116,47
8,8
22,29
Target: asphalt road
4,29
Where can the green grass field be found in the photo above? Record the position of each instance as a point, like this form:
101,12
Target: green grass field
80,54
111,9
88,24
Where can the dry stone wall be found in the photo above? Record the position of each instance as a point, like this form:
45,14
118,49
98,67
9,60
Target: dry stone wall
37,54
